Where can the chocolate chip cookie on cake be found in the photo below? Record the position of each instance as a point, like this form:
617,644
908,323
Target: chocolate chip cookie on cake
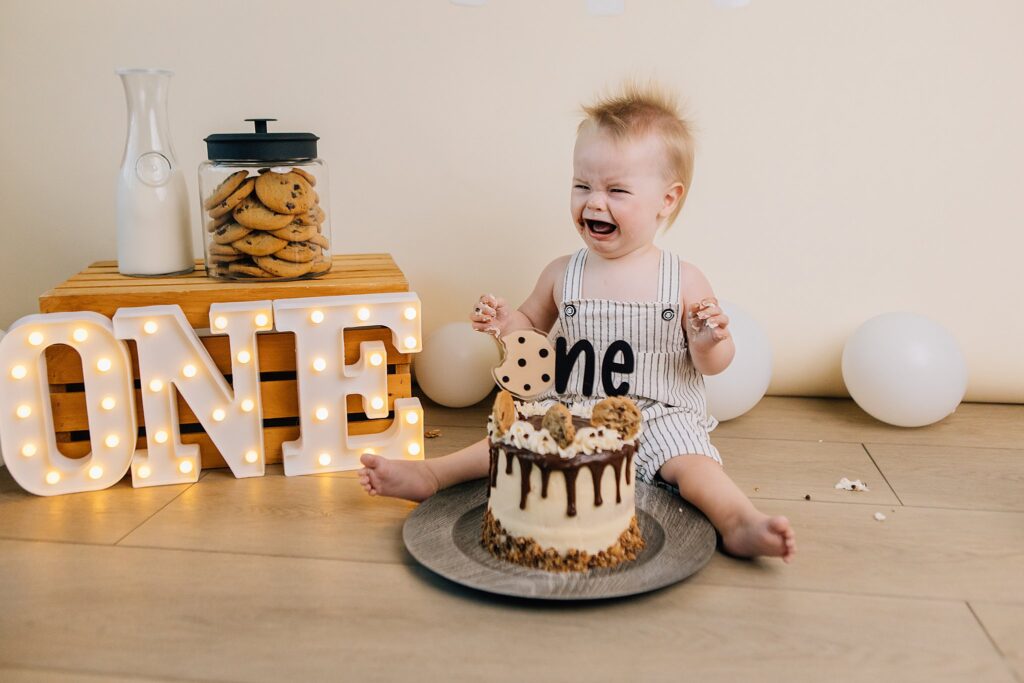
562,484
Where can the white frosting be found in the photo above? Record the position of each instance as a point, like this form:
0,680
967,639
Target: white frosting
522,434
533,408
545,519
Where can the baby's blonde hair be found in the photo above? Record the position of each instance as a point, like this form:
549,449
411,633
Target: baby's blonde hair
637,109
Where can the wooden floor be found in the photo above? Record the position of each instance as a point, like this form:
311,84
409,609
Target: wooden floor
306,578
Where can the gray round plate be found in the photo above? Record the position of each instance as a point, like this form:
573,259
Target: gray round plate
443,534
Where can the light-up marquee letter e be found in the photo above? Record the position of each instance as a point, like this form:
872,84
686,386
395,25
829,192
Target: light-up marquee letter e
171,355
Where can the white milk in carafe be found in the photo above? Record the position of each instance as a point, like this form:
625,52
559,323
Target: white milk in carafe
153,226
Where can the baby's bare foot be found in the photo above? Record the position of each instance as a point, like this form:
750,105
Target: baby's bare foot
409,479
758,534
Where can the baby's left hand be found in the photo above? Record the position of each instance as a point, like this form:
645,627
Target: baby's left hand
707,323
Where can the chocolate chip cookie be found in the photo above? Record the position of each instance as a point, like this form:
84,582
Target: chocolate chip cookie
287,193
558,422
618,413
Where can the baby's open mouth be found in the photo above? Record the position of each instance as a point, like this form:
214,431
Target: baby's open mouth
599,227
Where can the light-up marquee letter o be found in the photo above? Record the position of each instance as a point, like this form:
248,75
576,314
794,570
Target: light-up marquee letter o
28,435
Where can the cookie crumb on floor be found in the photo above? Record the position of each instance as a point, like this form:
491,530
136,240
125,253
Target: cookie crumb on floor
879,516
855,485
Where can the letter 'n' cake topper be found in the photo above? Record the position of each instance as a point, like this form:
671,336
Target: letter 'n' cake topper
527,367
531,366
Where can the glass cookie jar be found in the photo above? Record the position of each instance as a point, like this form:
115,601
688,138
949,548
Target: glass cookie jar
264,204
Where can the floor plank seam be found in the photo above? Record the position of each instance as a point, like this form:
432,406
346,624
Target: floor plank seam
823,591
885,478
17,666
156,512
880,442
991,640
890,505
242,553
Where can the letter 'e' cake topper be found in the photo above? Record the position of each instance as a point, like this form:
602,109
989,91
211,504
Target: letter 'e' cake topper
531,366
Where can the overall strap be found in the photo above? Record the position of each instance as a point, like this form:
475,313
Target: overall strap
572,285
668,278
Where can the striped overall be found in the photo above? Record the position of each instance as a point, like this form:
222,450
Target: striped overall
666,387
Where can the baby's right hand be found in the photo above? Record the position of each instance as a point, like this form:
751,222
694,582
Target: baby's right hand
490,315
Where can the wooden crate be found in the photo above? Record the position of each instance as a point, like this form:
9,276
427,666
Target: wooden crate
100,288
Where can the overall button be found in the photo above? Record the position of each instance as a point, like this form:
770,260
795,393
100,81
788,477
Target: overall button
570,310
668,314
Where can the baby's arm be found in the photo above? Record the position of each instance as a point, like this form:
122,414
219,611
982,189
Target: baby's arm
705,324
539,311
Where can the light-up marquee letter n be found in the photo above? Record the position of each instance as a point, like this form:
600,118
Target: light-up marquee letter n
171,355
28,437
325,381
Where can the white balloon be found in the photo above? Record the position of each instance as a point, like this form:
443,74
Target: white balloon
904,369
454,368
743,384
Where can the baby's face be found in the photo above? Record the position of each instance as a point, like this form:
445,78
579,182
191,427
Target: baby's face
619,192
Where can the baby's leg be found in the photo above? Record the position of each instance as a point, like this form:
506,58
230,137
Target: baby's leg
745,530
419,479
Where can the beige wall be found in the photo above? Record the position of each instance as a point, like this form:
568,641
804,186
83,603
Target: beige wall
855,157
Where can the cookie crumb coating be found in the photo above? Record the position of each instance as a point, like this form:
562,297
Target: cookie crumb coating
528,553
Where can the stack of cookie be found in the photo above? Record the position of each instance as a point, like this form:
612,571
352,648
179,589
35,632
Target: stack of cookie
266,226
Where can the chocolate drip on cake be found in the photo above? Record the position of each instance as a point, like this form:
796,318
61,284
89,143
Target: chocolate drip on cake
596,462
525,466
596,470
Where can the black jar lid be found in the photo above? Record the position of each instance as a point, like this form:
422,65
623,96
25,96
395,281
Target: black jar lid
260,145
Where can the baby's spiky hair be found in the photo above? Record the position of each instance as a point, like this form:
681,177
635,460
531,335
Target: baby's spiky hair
636,109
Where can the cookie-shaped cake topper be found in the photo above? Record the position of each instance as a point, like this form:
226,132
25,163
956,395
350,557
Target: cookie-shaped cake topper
618,413
528,367
504,412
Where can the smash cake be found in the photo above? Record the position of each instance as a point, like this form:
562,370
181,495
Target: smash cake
561,495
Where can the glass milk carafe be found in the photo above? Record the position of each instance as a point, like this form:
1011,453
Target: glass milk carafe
153,228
